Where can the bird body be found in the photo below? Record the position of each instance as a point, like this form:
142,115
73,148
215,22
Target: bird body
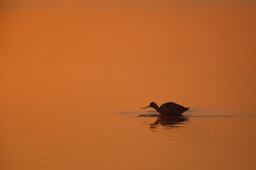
168,109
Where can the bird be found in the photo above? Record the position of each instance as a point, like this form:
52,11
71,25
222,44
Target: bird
168,109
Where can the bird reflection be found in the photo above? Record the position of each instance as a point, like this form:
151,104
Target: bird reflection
169,121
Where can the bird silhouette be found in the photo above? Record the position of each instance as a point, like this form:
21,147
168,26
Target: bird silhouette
168,109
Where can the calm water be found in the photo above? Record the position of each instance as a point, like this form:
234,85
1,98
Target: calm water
74,76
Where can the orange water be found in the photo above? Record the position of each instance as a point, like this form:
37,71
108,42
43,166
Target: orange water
74,76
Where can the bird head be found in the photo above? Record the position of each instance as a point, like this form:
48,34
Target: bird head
152,104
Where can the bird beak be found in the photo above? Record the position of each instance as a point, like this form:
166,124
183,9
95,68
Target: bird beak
145,107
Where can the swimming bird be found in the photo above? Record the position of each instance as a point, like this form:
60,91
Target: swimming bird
168,109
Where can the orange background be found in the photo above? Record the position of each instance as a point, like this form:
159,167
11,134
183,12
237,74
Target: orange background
66,67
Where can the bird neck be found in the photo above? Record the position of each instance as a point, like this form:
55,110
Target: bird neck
155,106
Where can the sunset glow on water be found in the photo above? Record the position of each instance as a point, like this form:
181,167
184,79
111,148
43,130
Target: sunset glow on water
74,76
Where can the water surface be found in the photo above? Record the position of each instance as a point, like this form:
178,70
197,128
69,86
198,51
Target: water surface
74,76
